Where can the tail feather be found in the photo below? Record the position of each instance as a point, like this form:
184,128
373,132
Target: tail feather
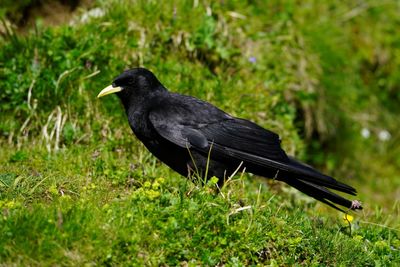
259,165
322,194
315,177
294,173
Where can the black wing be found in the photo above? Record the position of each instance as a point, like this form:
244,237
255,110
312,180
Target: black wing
189,122
180,119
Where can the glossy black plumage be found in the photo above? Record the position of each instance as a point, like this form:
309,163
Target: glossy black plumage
170,125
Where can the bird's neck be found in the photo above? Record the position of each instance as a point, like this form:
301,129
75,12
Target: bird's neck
137,109
143,100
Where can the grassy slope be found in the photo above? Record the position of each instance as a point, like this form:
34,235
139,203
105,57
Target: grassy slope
101,198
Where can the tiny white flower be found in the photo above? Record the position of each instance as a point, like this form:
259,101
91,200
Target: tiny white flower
93,13
384,135
365,133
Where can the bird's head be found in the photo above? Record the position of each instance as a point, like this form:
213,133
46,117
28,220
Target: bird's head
133,83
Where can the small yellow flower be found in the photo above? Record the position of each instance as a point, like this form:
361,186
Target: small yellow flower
381,245
155,185
152,194
53,190
348,218
147,184
160,180
10,204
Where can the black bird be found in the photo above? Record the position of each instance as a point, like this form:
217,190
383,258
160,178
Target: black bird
191,135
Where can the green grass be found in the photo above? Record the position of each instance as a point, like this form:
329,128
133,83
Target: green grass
96,207
76,188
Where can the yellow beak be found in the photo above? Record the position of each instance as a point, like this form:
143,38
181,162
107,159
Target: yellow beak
109,90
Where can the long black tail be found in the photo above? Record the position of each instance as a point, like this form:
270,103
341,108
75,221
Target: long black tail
300,176
318,191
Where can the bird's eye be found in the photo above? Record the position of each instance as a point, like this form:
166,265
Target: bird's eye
123,80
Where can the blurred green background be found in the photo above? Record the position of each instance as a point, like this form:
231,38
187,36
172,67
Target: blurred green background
325,76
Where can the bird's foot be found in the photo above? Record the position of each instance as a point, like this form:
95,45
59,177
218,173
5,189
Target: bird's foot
356,205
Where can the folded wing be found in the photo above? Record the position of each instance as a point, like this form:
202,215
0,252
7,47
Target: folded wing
241,140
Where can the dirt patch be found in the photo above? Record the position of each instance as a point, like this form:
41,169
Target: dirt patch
51,12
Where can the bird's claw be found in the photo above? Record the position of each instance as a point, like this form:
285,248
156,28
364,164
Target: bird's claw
356,205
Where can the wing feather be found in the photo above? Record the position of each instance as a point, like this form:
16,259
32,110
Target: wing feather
232,139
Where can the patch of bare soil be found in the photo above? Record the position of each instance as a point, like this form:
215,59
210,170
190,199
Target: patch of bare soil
51,12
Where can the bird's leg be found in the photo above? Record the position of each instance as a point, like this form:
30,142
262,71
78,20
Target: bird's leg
189,176
192,173
276,174
221,181
189,171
